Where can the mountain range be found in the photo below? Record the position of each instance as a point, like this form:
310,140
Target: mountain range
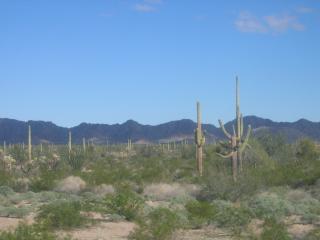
15,131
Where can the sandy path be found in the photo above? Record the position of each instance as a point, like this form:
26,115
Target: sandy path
104,231
8,223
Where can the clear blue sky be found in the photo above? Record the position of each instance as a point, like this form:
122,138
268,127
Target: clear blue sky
106,61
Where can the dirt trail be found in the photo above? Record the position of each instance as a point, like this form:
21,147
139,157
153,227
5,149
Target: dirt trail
203,234
103,231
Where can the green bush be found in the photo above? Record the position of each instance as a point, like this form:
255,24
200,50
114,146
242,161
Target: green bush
61,215
125,203
200,213
160,225
28,232
270,205
274,231
230,216
313,235
45,181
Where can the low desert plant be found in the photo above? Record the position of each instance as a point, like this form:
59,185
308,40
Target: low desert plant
125,203
270,205
160,225
200,213
28,232
61,215
313,235
274,231
231,216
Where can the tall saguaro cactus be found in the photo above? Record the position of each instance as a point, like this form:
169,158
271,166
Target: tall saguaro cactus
29,145
237,140
199,140
70,143
84,144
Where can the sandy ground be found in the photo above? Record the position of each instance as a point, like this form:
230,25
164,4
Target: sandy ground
12,223
8,223
203,234
103,231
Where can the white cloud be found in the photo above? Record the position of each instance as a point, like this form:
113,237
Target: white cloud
246,22
283,23
304,10
147,5
144,8
153,1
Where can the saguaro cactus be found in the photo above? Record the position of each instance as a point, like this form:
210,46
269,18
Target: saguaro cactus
29,145
237,140
84,144
4,148
129,145
199,140
70,143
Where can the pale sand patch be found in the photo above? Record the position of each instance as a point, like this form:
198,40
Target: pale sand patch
8,223
300,230
103,231
256,227
209,233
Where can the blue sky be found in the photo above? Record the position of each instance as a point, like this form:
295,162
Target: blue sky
106,61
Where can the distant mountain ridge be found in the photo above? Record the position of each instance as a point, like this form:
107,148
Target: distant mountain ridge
15,131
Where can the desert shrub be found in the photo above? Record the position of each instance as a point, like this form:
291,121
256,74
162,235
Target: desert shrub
61,215
28,232
313,235
19,154
5,178
272,143
71,184
104,189
160,225
304,205
14,212
306,150
45,181
274,231
6,191
76,159
231,216
200,213
125,202
270,205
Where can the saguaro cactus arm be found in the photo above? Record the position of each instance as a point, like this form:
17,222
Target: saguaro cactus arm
225,156
241,125
246,140
228,135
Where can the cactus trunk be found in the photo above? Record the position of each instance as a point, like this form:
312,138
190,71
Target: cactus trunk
199,140
70,143
84,144
29,145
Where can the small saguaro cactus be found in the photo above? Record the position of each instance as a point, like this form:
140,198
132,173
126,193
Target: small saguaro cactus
199,140
29,145
237,141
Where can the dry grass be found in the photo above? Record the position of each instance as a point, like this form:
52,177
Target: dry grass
71,185
163,191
